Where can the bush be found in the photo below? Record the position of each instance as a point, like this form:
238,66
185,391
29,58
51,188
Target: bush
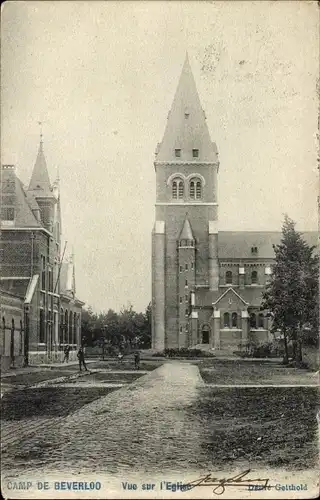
183,352
266,350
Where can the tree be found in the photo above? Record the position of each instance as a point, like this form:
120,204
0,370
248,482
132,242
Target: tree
292,293
88,323
125,329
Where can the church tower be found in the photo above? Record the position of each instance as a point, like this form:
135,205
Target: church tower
184,239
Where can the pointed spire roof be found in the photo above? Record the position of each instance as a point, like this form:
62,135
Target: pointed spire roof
40,181
186,232
186,127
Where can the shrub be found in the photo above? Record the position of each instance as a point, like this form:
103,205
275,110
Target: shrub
266,350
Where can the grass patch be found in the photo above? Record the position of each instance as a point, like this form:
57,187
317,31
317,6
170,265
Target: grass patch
114,377
266,426
125,365
183,353
251,372
34,378
48,401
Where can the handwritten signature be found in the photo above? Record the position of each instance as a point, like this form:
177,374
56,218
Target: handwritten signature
219,484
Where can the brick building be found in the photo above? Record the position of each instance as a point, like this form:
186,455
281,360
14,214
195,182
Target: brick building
34,281
206,284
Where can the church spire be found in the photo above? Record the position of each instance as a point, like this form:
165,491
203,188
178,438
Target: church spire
186,136
40,180
186,232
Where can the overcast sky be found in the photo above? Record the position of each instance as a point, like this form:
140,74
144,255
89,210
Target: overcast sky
102,77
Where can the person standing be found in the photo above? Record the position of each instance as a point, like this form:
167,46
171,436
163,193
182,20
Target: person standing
66,353
80,356
137,360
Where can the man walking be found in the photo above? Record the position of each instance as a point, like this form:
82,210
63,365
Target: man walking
66,353
80,356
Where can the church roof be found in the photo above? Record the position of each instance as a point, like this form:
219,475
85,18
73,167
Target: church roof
14,195
239,244
186,232
40,181
24,217
186,127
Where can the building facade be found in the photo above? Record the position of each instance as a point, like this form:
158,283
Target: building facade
206,284
32,271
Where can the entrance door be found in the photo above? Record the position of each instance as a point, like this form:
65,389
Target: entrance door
205,334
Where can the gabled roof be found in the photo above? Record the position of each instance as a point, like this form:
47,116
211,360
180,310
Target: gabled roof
238,244
40,181
186,127
186,232
232,291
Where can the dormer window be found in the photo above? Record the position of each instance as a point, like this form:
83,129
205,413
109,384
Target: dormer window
177,153
195,153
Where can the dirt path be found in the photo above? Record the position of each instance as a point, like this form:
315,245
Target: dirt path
130,428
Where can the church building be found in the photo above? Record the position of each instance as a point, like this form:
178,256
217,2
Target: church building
206,284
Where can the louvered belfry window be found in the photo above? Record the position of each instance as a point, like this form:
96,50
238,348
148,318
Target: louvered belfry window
174,189
198,190
192,190
180,189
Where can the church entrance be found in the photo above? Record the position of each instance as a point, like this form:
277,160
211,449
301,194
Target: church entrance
205,334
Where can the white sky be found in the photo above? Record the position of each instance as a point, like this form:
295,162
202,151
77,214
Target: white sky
102,76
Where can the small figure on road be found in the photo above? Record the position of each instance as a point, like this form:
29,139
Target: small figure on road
80,356
66,353
137,360
120,356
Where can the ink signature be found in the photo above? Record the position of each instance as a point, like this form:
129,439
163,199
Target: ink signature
219,484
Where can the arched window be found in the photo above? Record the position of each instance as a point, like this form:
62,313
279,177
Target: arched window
66,327
261,321
226,320
174,190
42,332
234,320
253,320
21,339
195,188
198,190
228,278
254,277
180,189
3,323
74,328
70,327
192,190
